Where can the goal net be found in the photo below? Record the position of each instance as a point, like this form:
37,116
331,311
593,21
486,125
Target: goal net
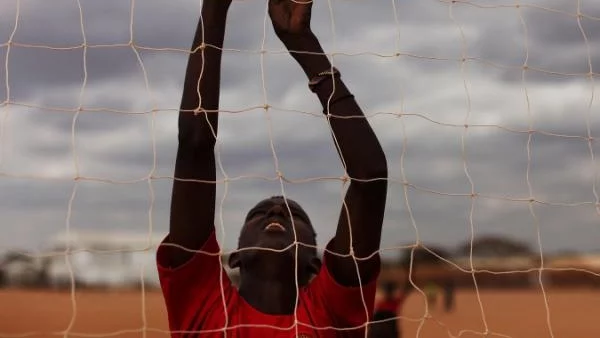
486,110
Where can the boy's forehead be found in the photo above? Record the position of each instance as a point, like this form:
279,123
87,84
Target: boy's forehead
277,200
294,206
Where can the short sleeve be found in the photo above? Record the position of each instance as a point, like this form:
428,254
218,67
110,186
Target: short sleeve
194,289
346,306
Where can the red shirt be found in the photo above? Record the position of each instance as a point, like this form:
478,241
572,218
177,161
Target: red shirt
200,297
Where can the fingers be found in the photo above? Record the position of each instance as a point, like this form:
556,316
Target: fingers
297,2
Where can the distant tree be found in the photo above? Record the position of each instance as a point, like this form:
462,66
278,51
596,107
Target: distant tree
20,269
429,266
495,246
13,256
423,256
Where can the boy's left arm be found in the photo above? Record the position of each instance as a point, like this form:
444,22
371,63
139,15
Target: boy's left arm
357,240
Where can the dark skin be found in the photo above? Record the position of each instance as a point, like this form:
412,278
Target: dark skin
267,278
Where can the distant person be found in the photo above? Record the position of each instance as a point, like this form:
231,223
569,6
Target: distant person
449,291
431,293
388,310
285,290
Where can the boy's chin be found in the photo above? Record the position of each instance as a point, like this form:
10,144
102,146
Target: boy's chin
273,251
275,245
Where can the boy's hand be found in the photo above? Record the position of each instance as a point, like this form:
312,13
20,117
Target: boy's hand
217,3
291,21
217,7
291,18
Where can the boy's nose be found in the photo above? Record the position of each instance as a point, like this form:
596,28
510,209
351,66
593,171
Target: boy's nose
278,210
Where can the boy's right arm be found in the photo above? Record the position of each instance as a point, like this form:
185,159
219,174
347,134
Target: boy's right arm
194,187
193,284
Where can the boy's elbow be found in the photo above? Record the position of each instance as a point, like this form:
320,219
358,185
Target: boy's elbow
373,168
380,167
378,164
196,140
378,171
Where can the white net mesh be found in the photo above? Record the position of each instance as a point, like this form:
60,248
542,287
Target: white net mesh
485,110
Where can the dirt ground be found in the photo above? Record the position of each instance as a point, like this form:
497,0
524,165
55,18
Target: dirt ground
573,314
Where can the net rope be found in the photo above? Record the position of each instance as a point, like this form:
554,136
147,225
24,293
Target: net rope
465,61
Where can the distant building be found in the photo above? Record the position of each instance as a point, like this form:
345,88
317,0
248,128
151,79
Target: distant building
589,261
106,260
103,260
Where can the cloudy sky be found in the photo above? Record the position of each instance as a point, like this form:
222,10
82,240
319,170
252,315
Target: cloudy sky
401,59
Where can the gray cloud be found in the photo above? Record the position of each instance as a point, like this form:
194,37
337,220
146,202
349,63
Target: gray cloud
119,147
546,39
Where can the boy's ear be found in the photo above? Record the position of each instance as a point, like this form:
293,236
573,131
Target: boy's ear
234,260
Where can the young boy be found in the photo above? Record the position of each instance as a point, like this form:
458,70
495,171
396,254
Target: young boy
335,297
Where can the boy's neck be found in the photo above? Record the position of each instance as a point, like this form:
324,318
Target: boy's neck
269,285
274,296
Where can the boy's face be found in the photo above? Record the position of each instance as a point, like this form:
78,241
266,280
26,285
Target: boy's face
271,225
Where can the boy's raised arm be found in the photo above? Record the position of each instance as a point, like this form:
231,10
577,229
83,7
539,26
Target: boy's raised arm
361,218
194,188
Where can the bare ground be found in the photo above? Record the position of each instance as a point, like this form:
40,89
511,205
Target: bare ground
572,314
